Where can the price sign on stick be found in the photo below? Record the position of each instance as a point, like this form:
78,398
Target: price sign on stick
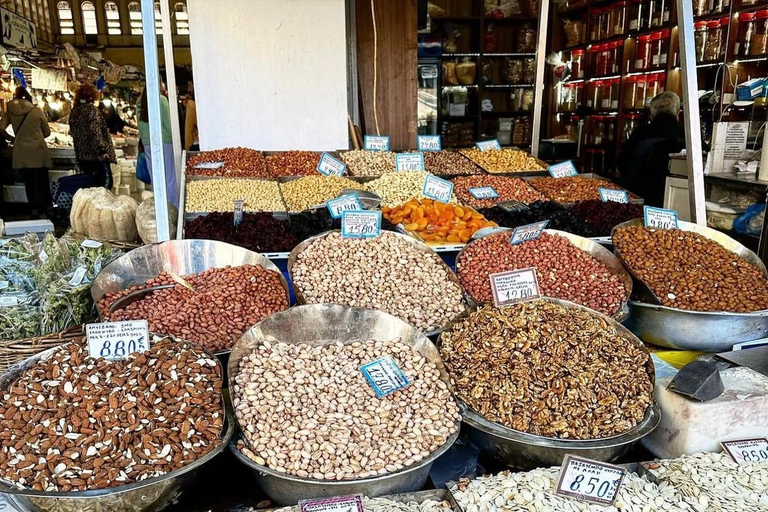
747,451
116,340
437,189
376,143
528,232
353,503
329,166
616,196
589,480
409,162
562,169
360,224
348,202
514,286
485,145
238,209
483,192
659,218
384,376
430,143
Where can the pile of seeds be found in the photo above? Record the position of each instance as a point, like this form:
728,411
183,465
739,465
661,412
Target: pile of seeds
368,163
571,189
309,191
293,163
448,162
400,187
219,195
549,370
307,410
237,162
75,423
389,505
503,160
508,189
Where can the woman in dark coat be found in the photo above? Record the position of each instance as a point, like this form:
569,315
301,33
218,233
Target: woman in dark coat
93,146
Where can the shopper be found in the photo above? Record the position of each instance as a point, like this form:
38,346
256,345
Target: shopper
93,145
30,152
644,159
191,136
142,113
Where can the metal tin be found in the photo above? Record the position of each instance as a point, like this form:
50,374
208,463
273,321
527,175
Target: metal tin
698,330
153,493
592,248
420,246
525,451
319,324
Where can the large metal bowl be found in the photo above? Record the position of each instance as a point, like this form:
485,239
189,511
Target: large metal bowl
153,493
697,330
319,324
524,451
418,245
594,249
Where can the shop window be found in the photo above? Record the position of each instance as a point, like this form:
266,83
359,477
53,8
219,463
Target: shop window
89,18
113,18
182,18
134,15
66,23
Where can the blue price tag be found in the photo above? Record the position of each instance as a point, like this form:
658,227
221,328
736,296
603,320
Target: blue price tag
659,218
483,192
563,169
437,189
384,376
329,166
528,232
430,143
348,202
613,195
409,162
376,142
360,224
238,213
485,145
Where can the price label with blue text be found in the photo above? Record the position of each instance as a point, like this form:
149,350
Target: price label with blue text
514,286
747,451
437,189
613,195
342,204
659,218
238,211
528,232
329,166
409,162
589,480
483,192
360,224
563,169
117,340
430,143
384,376
486,145
376,143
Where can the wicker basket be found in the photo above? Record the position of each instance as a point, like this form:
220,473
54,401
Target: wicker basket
14,351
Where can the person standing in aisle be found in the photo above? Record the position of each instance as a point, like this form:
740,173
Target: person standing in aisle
93,146
191,137
142,113
30,151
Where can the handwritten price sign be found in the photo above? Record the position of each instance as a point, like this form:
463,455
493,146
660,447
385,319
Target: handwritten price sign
360,224
117,340
589,480
659,218
513,286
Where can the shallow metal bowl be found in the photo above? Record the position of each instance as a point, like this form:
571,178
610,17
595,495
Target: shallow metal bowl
418,245
153,493
591,247
525,451
320,324
697,330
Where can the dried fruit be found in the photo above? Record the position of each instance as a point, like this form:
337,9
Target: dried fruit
434,221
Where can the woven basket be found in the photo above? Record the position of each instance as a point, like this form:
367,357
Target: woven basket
14,351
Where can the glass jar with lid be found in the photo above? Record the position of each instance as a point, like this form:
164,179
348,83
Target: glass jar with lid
595,32
700,39
629,91
724,23
607,21
605,97
714,41
619,18
641,84
700,7
610,128
615,89
651,88
743,46
601,54
643,53
657,13
595,94
721,5
636,9
760,41
598,135
664,48
655,50
526,38
577,64
571,128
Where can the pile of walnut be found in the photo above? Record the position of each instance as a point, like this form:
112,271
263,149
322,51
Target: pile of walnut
72,422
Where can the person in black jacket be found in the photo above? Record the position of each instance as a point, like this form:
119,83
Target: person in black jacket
644,159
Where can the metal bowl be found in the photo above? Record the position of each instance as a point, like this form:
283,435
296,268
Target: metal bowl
703,331
318,324
152,493
594,249
418,245
525,451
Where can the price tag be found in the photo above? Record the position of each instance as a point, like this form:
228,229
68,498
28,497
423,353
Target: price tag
384,376
588,480
43,255
483,192
209,165
337,206
512,206
352,503
437,189
528,232
562,169
78,276
616,196
376,143
7,504
360,224
747,451
7,302
238,215
430,143
514,286
117,340
659,218
485,145
329,166
409,162
91,244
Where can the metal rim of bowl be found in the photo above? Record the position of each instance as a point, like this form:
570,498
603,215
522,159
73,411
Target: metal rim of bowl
624,277
650,420
225,437
420,246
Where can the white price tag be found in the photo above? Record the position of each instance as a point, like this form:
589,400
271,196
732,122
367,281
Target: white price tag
117,340
384,376
6,302
430,143
376,143
78,276
238,211
43,255
613,195
485,145
747,451
514,286
209,165
659,218
329,166
483,192
352,503
360,224
528,232
437,189
562,169
348,202
91,244
409,162
589,480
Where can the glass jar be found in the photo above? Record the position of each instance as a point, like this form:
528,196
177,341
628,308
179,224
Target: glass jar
610,129
629,91
661,79
700,39
598,134
595,94
490,40
700,7
760,40
655,50
636,8
714,41
607,22
619,18
601,57
743,46
571,128
594,31
643,53
651,89
611,53
529,71
721,5
631,122
526,39
615,89
577,64
595,160
641,84
724,23
664,48
657,13
605,97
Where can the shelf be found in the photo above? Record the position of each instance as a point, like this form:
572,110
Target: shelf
603,77
459,118
458,55
464,19
752,59
509,54
580,46
509,86
644,32
751,8
572,9
712,16
703,65
512,19
648,72
611,39
502,113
